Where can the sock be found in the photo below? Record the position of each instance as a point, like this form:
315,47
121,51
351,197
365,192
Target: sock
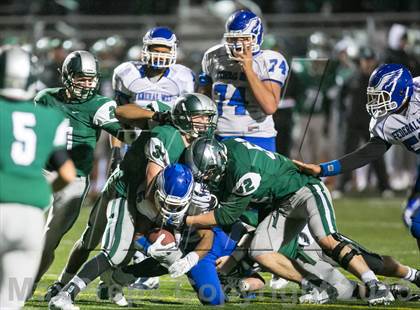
94,268
411,274
74,287
368,276
65,277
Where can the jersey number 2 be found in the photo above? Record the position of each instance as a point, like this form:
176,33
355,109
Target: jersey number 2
24,147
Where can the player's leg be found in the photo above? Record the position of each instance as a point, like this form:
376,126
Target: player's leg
82,248
205,281
116,250
20,252
321,222
62,215
415,226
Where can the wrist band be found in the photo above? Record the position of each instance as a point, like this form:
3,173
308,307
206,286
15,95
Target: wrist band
330,168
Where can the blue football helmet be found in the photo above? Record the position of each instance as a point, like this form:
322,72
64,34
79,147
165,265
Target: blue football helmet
159,36
174,189
390,86
243,24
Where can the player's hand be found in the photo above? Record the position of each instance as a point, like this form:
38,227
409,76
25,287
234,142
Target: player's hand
310,169
162,117
183,265
202,200
159,251
245,58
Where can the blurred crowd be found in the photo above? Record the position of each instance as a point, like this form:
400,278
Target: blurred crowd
322,111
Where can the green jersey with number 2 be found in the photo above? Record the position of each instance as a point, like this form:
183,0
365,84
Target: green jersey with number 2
28,137
85,121
255,175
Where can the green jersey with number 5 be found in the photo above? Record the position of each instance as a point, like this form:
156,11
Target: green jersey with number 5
255,175
85,123
28,137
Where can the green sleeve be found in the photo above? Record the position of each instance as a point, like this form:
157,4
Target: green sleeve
231,209
113,129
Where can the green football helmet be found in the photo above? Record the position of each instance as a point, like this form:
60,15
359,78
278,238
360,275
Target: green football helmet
207,159
80,64
17,74
186,114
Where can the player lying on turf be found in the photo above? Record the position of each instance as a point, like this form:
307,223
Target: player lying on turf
193,115
268,179
394,104
196,252
237,267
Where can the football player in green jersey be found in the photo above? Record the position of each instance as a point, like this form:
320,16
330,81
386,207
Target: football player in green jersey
30,138
87,113
251,174
193,115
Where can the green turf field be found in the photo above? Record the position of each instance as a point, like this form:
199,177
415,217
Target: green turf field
376,223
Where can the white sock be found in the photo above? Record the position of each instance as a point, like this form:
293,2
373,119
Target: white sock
79,282
411,274
368,276
65,277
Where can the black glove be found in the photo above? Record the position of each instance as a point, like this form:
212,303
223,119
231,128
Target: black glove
162,117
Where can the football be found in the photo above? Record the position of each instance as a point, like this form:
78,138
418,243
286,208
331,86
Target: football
154,233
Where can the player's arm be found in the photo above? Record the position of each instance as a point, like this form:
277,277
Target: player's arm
204,84
369,152
66,175
267,93
133,115
227,213
152,170
205,81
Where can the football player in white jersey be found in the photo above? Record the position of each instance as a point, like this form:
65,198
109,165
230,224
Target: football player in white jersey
156,76
394,104
244,81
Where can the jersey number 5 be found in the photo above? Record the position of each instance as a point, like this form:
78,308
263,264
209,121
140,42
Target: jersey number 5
24,147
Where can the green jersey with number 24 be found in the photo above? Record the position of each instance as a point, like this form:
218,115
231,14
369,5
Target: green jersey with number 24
255,175
29,135
85,121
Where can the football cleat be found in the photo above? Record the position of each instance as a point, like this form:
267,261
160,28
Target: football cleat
62,301
53,290
315,296
277,283
110,290
146,283
318,291
378,293
400,292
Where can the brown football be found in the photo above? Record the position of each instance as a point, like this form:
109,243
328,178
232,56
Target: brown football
154,233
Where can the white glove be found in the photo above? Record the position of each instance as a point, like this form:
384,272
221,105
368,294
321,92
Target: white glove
183,265
159,251
202,200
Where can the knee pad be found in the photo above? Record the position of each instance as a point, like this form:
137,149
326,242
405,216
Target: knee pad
415,225
335,253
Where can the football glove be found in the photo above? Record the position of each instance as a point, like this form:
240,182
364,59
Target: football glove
183,265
